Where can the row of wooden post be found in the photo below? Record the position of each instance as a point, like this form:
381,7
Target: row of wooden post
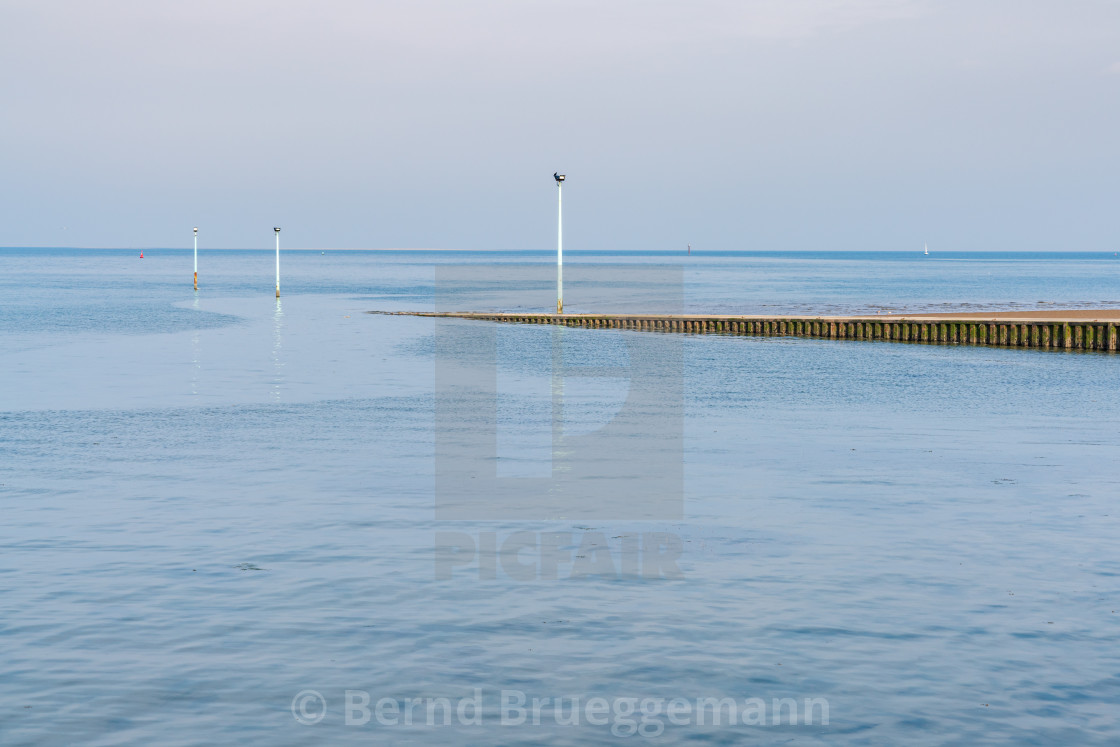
1042,335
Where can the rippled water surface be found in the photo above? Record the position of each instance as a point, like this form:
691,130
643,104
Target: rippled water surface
214,502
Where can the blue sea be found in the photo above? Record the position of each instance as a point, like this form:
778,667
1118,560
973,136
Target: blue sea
229,519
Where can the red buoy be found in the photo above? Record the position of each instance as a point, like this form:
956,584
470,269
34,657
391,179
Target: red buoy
141,254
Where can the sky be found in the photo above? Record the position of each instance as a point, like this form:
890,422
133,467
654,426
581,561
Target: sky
724,124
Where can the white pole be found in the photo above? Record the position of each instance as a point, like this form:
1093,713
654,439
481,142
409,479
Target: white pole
277,262
196,258
559,248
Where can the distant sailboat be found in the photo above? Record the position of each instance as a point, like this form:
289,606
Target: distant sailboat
927,250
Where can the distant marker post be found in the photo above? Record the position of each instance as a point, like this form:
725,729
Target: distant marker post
277,230
196,257
559,242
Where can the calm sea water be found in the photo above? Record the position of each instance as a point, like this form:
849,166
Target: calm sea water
212,503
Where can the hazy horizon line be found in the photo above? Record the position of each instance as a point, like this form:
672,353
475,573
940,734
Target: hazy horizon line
567,251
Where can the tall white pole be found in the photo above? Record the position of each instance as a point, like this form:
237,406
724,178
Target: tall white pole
196,258
277,262
559,247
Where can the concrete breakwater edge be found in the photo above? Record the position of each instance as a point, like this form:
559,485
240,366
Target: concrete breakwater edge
1081,329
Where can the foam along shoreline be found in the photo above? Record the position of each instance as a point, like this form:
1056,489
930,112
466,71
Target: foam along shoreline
1060,329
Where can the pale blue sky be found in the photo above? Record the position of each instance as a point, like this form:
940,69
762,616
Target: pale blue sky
781,124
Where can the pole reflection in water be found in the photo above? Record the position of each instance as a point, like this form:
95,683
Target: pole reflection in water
558,450
196,366
277,343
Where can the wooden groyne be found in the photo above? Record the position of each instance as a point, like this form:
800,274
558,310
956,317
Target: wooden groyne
1004,329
